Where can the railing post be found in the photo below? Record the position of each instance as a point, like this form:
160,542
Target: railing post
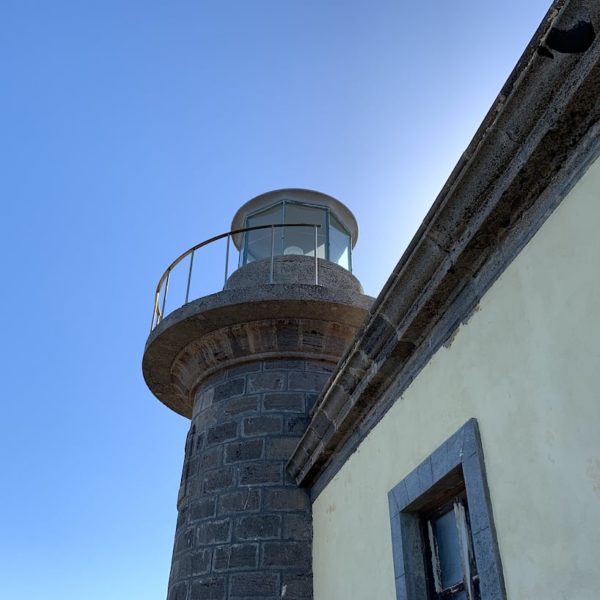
226,262
272,252
154,311
189,281
316,258
166,290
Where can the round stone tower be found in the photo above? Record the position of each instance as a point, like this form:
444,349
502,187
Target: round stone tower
246,365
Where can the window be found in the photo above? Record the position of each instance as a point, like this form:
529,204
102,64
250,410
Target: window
443,538
339,243
300,240
451,571
332,241
258,242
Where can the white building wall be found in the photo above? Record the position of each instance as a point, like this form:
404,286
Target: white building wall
527,366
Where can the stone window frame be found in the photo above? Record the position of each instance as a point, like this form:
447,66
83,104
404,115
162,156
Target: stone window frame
456,463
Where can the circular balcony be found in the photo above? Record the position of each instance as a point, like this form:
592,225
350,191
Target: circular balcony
291,253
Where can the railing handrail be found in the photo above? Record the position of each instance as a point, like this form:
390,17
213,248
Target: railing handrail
157,312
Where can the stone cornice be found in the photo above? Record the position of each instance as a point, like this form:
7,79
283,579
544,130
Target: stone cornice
540,134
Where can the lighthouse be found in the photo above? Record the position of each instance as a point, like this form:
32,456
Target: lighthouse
245,364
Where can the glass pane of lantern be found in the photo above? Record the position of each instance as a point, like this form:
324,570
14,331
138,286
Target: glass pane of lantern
301,240
257,244
339,243
446,536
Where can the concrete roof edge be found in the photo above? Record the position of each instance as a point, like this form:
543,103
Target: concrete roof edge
544,115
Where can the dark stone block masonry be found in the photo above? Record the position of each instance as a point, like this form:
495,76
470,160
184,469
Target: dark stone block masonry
244,527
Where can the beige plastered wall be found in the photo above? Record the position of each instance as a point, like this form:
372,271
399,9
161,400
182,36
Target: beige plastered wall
526,365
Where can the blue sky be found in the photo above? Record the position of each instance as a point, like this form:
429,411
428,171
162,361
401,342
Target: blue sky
133,130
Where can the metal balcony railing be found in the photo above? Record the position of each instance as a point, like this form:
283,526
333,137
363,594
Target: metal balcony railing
162,288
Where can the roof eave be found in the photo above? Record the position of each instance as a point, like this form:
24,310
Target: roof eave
539,134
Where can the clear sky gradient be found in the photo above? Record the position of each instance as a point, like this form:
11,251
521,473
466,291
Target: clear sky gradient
133,130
